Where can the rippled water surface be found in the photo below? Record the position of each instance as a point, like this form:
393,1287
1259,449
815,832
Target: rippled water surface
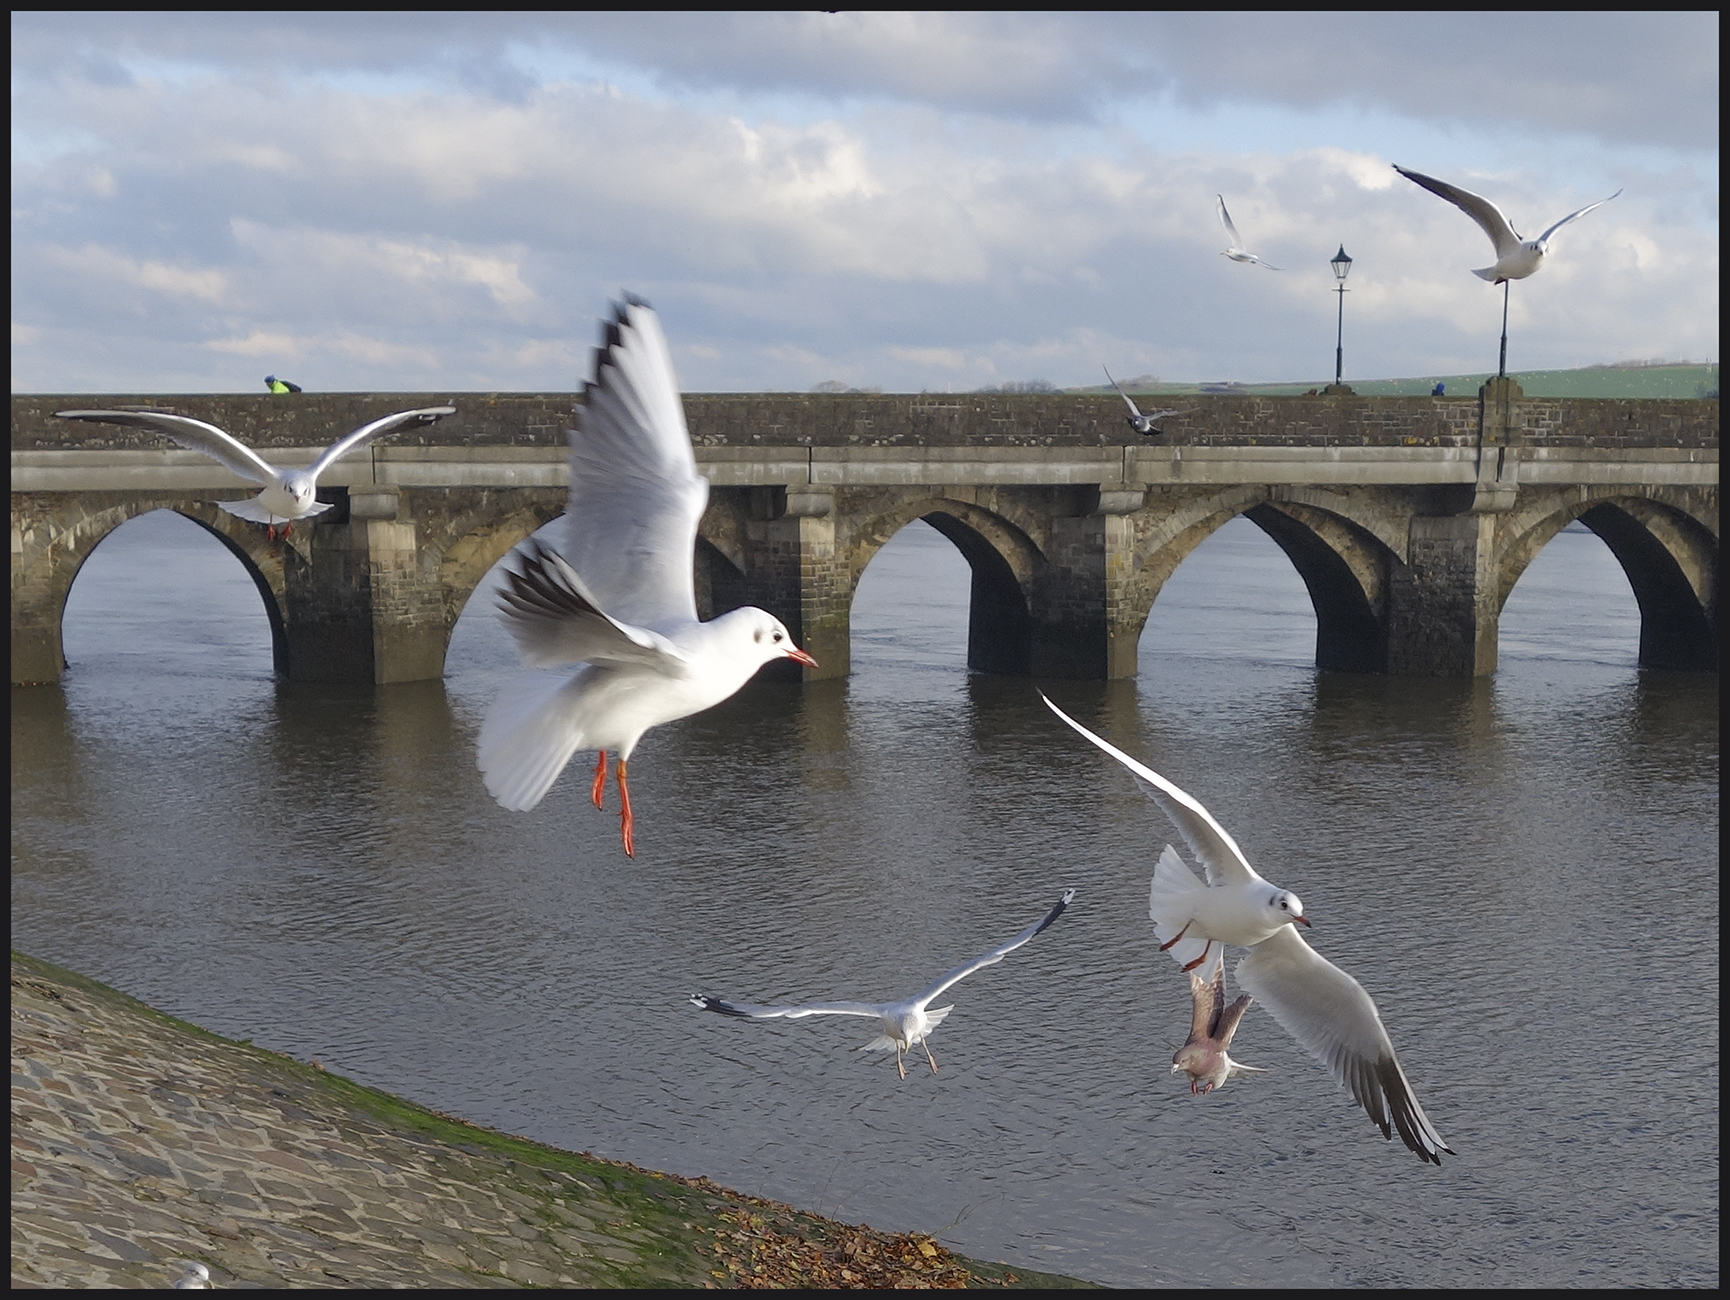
1523,871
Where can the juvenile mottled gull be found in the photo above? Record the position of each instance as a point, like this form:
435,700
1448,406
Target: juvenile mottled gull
1212,1023
614,610
1321,1006
907,1023
289,494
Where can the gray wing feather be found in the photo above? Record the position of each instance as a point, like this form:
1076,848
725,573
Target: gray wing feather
998,953
635,495
1475,206
1127,399
1230,229
556,621
1217,850
1333,1019
194,435
376,429
1544,238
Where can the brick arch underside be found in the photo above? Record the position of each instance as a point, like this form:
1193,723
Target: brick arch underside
78,530
464,549
1346,561
1670,557
1003,562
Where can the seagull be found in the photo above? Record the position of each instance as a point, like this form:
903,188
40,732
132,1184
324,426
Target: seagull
907,1023
1317,1003
1203,1056
1516,258
193,1277
1139,422
1237,252
617,604
289,494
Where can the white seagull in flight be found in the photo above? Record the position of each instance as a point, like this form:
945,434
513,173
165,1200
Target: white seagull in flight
906,1024
1237,252
1143,423
1516,258
617,602
289,494
1325,1009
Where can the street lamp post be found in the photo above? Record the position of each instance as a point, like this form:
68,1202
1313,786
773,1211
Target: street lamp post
1342,266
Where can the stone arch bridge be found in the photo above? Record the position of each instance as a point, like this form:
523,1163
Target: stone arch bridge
1409,519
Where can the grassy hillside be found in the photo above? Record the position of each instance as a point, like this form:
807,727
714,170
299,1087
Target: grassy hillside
1592,381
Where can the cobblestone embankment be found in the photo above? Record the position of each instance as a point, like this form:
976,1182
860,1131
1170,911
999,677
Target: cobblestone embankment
139,1140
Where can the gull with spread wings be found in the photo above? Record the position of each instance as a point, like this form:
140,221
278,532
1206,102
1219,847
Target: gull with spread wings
1144,424
289,494
1237,252
1318,1004
906,1024
613,611
1203,1055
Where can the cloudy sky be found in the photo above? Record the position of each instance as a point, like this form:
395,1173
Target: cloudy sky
446,202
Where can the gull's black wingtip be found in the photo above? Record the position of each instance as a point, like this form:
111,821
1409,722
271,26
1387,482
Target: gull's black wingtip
1057,911
708,1003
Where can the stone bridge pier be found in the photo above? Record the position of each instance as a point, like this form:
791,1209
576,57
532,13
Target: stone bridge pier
1409,520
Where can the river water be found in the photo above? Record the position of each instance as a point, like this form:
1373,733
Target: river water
1523,872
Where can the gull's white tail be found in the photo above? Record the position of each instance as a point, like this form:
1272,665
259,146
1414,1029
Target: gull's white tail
1168,906
530,733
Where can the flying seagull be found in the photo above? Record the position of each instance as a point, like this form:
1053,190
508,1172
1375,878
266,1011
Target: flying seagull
1144,424
1318,1004
906,1024
1237,252
1212,1023
615,610
1516,258
289,494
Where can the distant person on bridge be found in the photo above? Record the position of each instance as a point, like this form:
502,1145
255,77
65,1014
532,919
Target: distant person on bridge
1440,390
280,385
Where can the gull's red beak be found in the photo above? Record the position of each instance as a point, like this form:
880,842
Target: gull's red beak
1303,921
799,656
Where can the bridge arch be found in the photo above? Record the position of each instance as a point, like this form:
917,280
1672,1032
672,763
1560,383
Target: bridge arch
463,546
1344,555
1668,550
1003,560
53,546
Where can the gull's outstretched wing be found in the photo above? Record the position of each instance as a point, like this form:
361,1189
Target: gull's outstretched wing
1134,410
1219,853
1156,416
997,954
376,429
1475,206
635,495
556,622
1333,1019
1230,229
194,435
1206,996
1545,237
752,1012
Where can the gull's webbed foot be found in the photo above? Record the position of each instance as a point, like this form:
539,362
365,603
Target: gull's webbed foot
626,821
600,786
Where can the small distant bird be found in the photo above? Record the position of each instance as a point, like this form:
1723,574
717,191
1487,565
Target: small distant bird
1317,1003
906,1024
193,1277
1203,1056
619,604
280,385
1144,424
1516,258
289,494
1237,252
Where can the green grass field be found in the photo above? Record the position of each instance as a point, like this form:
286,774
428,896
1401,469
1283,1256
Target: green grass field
1593,381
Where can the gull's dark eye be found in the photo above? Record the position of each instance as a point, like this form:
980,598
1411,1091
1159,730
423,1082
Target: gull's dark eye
778,637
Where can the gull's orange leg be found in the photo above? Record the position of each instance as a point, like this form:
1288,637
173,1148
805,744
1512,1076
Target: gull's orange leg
1174,938
287,529
270,532
1198,961
929,1057
600,780
899,1068
625,819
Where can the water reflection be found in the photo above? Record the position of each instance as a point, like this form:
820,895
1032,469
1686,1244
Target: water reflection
1520,870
